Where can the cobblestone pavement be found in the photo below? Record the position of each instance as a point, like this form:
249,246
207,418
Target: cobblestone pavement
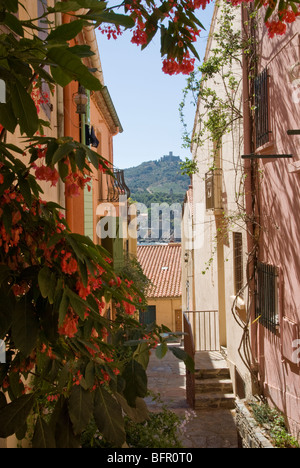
213,428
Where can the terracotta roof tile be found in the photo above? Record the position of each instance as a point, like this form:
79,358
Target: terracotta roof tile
162,265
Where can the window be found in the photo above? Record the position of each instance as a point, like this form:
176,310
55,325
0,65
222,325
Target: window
149,316
262,129
267,296
238,263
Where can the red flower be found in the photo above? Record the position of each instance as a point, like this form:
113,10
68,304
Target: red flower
276,27
68,264
69,327
47,174
130,309
82,291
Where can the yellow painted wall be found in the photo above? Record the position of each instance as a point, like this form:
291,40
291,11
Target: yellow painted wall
165,310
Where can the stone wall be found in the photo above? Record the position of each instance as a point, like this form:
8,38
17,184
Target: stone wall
251,435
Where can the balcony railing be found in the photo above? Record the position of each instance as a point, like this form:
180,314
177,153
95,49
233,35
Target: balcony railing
205,328
113,187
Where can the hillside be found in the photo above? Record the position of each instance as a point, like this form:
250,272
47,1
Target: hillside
161,176
158,182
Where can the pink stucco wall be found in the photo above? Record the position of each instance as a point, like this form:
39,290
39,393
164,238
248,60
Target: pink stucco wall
279,206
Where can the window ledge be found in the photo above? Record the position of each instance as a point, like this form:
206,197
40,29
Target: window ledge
267,147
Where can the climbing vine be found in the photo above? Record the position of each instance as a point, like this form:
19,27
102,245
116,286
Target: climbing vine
216,90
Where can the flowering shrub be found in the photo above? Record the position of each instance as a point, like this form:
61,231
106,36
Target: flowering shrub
180,27
66,360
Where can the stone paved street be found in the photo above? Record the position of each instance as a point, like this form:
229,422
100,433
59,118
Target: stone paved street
214,428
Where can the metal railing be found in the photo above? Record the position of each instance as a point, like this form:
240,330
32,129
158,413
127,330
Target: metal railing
205,329
267,296
262,109
112,187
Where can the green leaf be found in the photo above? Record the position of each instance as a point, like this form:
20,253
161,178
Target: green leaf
141,355
4,273
64,433
63,308
82,51
25,110
268,13
63,151
7,117
65,7
78,304
63,169
3,401
161,350
44,280
81,405
14,415
5,315
66,32
183,356
136,381
14,24
60,76
112,18
90,374
25,190
139,413
25,326
71,65
93,157
43,436
11,5
108,417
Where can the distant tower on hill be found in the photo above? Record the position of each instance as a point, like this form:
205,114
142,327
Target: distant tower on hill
170,157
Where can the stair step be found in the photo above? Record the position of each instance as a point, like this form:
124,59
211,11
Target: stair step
214,385
222,372
215,400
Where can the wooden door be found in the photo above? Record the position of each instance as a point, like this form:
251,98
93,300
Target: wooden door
178,321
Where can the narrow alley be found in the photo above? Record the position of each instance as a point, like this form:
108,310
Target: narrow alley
205,428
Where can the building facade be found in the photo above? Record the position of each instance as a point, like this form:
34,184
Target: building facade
214,231
94,125
272,164
161,264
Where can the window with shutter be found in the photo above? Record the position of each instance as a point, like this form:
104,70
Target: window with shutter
238,263
88,213
267,296
262,121
118,247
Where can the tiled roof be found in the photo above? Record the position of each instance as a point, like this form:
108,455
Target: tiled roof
162,266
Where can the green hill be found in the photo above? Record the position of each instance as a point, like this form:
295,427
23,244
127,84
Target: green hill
157,177
158,182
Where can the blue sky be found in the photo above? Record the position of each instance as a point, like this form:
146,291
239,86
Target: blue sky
145,98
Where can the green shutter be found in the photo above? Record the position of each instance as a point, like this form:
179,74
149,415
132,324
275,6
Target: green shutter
118,250
88,214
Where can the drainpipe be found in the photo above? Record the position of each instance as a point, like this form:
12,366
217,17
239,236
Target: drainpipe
219,220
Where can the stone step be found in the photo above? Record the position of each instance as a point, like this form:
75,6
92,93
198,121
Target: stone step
214,385
206,401
222,372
